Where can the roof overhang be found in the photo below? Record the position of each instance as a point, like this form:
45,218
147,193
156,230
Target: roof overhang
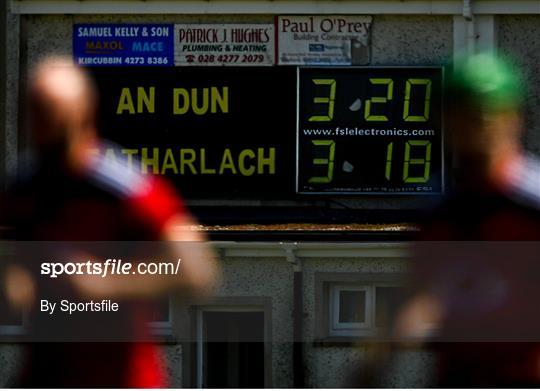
431,7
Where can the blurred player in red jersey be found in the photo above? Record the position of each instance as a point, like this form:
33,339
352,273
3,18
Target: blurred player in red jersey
477,300
74,194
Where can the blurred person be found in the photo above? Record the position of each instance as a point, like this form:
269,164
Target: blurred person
475,302
75,194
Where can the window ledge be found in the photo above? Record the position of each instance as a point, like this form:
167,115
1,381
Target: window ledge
349,341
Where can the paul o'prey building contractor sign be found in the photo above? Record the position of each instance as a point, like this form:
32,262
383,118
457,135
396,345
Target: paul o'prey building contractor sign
323,40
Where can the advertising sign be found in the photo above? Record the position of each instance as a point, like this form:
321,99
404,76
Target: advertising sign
224,44
323,40
123,44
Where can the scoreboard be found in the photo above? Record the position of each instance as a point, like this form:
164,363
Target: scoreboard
369,130
278,132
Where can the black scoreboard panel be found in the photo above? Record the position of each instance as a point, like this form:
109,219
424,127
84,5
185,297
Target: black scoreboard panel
370,131
215,132
277,132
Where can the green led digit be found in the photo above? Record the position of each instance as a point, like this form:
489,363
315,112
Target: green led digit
389,152
329,100
427,100
329,162
379,99
426,161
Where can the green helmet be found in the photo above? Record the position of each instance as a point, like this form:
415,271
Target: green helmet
487,82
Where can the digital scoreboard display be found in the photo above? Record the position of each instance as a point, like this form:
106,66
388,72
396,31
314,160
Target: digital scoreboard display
369,131
277,132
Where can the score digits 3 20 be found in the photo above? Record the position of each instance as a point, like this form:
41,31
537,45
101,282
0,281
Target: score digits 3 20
370,130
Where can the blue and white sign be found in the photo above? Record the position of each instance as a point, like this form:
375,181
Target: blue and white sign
123,44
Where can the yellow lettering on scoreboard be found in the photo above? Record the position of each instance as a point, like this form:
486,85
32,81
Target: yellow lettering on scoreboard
169,163
125,103
227,162
204,169
148,160
201,101
269,161
185,161
220,99
189,161
146,101
129,154
246,170
180,95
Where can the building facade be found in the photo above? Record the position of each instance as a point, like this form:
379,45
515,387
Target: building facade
286,301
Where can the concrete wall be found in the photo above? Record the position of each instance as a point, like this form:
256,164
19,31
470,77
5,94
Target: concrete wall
255,277
411,40
9,155
11,355
3,41
11,361
325,366
518,37
172,364
334,366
